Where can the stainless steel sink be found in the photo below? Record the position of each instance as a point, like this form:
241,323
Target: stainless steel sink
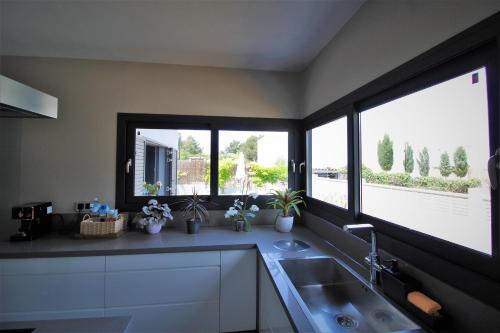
337,301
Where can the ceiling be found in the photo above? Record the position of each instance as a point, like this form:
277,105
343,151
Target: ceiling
251,34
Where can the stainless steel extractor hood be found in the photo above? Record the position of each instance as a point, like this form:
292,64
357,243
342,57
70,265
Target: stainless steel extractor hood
18,100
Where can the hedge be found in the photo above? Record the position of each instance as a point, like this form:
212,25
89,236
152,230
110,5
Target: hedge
427,182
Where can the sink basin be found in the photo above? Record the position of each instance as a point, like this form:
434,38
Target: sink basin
293,245
337,301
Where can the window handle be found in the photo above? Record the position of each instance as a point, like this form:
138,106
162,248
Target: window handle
301,165
128,165
493,165
292,163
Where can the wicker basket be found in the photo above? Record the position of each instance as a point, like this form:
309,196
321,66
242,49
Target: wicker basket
89,227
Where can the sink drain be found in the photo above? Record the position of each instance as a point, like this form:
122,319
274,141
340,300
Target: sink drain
346,321
383,316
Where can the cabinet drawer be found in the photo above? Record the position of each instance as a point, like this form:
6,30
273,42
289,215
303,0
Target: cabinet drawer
51,265
28,293
162,261
162,286
188,317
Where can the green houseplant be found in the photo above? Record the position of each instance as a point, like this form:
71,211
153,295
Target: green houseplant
288,202
194,212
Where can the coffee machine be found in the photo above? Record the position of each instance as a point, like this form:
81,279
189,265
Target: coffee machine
35,220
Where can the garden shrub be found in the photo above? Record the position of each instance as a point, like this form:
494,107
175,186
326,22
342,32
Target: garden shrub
431,183
385,153
268,175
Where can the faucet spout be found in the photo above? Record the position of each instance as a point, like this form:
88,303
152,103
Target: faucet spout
373,258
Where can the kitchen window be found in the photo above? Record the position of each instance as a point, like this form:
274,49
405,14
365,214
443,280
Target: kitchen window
419,142
327,158
424,161
168,157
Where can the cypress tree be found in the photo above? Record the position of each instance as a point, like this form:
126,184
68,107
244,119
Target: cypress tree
408,162
385,153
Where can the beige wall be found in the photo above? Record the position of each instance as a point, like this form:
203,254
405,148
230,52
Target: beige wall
382,35
73,158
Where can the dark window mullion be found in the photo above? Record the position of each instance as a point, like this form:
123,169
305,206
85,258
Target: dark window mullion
214,162
353,166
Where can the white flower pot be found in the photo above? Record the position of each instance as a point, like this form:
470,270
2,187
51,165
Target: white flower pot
284,223
153,228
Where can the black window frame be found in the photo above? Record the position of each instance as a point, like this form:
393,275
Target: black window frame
471,271
127,123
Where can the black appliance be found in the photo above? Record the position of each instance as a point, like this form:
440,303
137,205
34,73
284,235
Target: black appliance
35,220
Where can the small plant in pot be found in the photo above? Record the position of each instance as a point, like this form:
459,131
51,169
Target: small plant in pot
195,212
240,215
153,217
288,202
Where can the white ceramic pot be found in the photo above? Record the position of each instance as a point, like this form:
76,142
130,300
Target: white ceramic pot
284,223
153,228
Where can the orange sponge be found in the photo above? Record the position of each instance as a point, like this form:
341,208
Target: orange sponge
423,302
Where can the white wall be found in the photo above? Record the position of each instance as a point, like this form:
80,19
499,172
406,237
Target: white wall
382,35
73,158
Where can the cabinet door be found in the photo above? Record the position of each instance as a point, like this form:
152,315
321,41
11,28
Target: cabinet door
272,316
175,318
238,311
51,288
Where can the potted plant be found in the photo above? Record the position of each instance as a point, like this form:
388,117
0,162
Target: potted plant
152,189
194,212
288,202
154,216
240,215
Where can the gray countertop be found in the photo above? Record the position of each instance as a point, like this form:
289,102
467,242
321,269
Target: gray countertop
83,325
209,238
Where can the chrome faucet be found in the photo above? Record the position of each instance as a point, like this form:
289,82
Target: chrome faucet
373,259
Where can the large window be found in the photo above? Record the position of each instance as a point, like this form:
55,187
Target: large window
253,161
168,156
327,158
424,161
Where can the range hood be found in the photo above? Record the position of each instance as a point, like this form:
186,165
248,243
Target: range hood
17,100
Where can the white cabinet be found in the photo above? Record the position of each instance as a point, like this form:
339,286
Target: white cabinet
52,288
209,291
238,291
272,316
168,292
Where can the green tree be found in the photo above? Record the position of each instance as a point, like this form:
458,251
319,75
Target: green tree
249,148
227,169
408,161
233,147
461,165
385,153
445,168
423,162
189,147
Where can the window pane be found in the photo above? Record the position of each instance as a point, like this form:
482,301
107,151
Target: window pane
424,159
171,162
259,159
327,151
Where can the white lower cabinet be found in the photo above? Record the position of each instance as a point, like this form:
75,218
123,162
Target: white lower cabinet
238,291
272,316
51,288
208,291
